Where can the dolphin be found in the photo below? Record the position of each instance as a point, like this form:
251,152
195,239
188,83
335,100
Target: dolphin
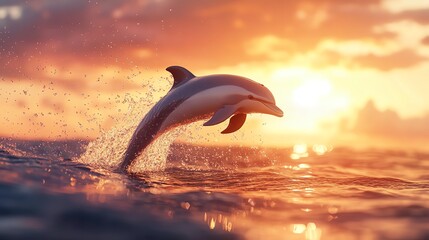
214,97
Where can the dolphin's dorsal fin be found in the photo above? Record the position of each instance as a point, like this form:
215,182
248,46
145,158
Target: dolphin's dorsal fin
235,123
180,75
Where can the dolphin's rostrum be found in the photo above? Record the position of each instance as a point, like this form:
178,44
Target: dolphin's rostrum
214,97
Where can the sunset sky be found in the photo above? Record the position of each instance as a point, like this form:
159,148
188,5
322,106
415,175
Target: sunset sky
344,72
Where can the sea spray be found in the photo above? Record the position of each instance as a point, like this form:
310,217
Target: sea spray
108,149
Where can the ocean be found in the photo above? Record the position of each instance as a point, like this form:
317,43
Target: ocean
214,192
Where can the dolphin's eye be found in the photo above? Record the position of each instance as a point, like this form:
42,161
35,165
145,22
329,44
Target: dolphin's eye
250,97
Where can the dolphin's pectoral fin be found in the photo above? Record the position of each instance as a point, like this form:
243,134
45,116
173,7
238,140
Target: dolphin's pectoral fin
235,123
221,115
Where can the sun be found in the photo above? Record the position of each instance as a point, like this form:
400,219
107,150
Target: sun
309,99
311,93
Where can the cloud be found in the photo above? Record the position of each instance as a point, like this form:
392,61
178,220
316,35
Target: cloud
195,33
421,16
388,124
397,60
425,40
398,6
269,46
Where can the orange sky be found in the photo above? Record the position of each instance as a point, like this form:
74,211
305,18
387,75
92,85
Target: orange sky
345,72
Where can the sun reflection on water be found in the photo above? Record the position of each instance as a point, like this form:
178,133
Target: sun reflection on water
321,149
185,205
12,12
218,220
298,228
311,231
304,195
299,151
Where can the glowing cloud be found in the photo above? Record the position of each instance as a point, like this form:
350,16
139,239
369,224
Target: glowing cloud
398,6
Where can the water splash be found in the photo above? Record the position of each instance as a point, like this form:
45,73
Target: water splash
154,157
107,151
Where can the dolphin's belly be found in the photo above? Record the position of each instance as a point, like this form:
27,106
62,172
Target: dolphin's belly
202,105
189,111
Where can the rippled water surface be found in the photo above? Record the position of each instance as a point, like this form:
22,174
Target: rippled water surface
215,193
